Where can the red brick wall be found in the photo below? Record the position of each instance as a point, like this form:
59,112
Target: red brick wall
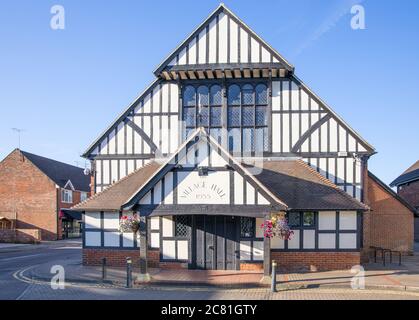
315,261
29,195
118,258
20,236
390,223
410,193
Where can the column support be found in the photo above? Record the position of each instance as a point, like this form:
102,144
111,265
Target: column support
267,253
144,276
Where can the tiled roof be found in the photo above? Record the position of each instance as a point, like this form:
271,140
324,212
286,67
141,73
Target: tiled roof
113,197
409,175
303,188
60,172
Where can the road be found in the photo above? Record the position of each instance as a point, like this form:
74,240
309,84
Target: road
12,288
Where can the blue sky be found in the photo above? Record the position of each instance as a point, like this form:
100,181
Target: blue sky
65,87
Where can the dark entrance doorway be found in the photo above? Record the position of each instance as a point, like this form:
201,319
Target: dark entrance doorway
215,243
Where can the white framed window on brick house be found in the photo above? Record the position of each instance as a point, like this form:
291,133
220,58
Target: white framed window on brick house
66,196
83,196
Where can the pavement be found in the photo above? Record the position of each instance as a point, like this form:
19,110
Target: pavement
25,273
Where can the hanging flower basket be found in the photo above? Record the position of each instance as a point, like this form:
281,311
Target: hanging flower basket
277,226
129,224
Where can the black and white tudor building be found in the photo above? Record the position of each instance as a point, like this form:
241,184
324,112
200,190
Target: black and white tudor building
224,137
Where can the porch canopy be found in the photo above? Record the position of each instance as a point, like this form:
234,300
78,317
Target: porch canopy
178,187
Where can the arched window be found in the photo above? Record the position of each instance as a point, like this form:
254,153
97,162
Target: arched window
189,109
189,97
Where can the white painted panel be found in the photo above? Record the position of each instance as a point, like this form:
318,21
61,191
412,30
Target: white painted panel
361,148
128,240
342,139
295,97
286,133
255,50
245,250
349,170
174,126
304,128
327,220
332,169
114,171
112,142
169,251
192,51
213,41
358,171
130,166
294,243
234,42
174,98
147,103
347,241
167,225
211,189
266,56
92,220
295,128
350,190
238,189
258,251
315,134
129,140
250,194
111,220
137,137
327,241
168,188
222,35
276,133
147,131
358,192
333,135
120,138
156,131
348,220
351,144
304,100
244,44
155,240
314,105
285,95
155,223
202,44
182,57
182,250
309,241
157,193
276,95
216,159
93,239
98,189
165,135
324,138
341,170
98,165
146,199
104,147
106,173
277,243
262,200
111,239
165,97
322,166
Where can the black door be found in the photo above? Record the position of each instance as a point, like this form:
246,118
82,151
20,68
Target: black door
215,242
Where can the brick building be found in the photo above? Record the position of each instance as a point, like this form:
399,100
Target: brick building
225,137
34,190
408,188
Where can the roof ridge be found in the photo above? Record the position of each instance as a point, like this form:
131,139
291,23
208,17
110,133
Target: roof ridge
112,185
330,183
50,159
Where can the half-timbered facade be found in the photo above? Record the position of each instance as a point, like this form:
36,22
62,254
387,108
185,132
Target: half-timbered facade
224,136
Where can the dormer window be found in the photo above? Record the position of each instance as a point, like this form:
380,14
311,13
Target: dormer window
66,196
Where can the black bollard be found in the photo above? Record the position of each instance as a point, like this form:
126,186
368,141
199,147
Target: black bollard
103,269
273,285
129,272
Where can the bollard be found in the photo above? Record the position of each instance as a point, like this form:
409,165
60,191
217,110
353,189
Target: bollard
129,272
273,285
103,269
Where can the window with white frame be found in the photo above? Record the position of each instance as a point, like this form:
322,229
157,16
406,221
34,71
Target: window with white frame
66,196
83,196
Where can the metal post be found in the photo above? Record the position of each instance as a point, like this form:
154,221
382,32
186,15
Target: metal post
104,269
129,272
273,285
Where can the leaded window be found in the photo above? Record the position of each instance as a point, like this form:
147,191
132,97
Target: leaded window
247,118
182,226
247,227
